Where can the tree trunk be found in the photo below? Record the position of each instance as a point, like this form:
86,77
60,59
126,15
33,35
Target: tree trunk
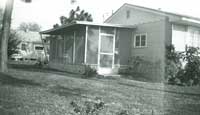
5,35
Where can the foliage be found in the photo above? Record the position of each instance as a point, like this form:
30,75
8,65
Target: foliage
89,107
1,17
13,43
6,32
123,112
176,73
75,15
31,26
89,72
13,40
172,64
191,73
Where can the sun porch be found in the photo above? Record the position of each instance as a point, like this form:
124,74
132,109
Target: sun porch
102,46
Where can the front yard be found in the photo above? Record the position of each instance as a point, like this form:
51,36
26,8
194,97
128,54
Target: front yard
47,92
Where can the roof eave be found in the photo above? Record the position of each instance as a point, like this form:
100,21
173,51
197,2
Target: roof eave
50,31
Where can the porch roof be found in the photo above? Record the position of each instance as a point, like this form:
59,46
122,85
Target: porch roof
58,29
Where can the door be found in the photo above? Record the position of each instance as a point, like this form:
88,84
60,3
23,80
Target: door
106,54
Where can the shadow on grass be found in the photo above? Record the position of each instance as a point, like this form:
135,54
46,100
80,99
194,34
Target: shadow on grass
9,80
67,92
161,90
35,68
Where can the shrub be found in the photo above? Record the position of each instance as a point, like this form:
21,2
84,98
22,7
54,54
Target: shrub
191,73
89,71
176,73
123,112
172,64
89,107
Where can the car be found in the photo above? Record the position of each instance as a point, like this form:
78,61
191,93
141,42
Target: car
16,57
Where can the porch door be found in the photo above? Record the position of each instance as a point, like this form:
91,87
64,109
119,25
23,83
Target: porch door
106,53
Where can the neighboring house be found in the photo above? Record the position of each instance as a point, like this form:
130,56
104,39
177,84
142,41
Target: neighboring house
31,46
131,31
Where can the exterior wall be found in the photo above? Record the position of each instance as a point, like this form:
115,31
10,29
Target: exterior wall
138,15
29,52
157,35
124,36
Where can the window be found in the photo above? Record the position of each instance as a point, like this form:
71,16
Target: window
140,40
23,46
194,37
39,47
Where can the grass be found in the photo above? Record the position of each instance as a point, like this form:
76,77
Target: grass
29,90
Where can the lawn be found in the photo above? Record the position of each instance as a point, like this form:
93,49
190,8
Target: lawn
29,91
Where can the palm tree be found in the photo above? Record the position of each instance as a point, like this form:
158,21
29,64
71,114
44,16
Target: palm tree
76,15
5,34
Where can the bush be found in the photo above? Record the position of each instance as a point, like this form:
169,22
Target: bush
172,64
176,73
89,71
191,73
89,107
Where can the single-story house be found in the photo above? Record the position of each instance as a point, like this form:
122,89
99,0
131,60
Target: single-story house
131,31
31,46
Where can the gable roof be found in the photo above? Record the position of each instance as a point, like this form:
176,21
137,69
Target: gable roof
159,12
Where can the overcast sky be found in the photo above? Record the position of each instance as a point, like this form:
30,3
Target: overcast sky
47,12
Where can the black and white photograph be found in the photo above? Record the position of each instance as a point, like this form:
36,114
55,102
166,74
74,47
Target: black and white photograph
99,57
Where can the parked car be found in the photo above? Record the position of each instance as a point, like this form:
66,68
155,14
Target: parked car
17,57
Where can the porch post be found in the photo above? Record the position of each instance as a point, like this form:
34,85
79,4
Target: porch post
113,62
86,37
74,46
99,43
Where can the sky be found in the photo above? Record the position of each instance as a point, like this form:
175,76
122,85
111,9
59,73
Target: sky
47,12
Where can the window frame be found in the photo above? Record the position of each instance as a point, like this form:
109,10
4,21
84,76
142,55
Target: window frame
140,38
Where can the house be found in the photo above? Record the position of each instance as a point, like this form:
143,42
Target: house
31,46
131,31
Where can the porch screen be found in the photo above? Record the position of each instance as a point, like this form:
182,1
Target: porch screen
79,46
92,44
68,48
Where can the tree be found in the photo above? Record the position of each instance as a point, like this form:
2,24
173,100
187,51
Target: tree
13,43
31,26
1,17
5,33
75,15
13,40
